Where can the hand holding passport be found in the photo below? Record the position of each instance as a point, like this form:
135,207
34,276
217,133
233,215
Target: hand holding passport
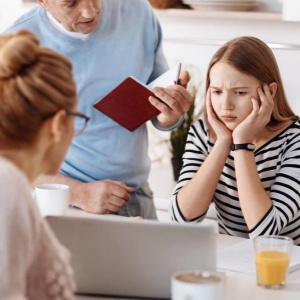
128,103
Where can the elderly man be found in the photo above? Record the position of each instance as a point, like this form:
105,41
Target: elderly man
107,167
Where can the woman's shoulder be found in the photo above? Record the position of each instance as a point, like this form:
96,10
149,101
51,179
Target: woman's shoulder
19,222
12,179
47,262
295,125
285,136
292,129
200,127
199,134
17,206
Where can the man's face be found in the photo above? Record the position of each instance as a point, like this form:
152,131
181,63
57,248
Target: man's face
75,15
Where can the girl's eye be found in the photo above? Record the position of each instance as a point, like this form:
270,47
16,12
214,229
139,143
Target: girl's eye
216,92
240,93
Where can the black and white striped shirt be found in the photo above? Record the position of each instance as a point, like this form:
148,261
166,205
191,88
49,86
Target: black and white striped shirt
278,165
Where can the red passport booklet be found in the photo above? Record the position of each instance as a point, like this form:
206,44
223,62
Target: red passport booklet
128,103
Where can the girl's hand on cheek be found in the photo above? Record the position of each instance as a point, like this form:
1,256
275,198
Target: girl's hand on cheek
260,116
267,105
222,132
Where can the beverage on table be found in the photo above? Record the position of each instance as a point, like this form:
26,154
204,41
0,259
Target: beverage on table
272,258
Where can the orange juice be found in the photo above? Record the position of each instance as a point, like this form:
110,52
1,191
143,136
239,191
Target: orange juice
271,267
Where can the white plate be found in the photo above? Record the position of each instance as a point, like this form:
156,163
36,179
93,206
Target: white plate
224,6
219,2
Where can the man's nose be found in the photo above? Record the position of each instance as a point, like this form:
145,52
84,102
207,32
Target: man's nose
87,9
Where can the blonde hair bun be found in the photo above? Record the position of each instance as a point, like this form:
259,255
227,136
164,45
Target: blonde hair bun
17,52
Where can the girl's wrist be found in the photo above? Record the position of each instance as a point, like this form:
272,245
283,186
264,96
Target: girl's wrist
242,139
224,142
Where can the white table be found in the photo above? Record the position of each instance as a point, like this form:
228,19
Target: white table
237,286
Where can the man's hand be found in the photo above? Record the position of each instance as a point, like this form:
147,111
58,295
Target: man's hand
172,101
101,197
97,197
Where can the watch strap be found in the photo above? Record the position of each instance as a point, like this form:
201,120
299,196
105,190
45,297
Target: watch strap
246,146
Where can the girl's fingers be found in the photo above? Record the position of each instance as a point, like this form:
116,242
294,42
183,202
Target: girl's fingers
208,103
267,91
208,97
265,95
264,112
261,95
255,105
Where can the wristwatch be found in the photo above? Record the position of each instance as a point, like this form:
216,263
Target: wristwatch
247,146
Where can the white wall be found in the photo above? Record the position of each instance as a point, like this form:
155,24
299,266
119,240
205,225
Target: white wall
9,11
196,37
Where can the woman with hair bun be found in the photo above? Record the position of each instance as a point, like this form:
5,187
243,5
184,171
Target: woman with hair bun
38,105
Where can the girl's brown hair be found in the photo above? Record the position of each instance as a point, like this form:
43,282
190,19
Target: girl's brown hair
35,82
253,57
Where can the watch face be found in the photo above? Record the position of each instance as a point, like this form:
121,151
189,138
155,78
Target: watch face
251,147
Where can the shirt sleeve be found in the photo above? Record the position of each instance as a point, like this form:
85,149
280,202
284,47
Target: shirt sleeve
154,122
196,151
284,194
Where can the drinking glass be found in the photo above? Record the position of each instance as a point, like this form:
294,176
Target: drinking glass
272,258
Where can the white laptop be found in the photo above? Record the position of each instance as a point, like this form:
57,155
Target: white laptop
122,257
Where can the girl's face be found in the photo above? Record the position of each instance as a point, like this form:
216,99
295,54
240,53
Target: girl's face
231,93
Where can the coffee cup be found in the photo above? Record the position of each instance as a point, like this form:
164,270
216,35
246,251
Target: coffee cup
195,285
52,199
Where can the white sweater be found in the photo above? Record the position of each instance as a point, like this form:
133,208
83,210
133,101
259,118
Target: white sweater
33,265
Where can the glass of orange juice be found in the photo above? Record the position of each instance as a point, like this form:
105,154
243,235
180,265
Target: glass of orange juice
272,258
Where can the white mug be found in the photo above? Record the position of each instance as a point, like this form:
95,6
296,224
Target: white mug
195,285
52,199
